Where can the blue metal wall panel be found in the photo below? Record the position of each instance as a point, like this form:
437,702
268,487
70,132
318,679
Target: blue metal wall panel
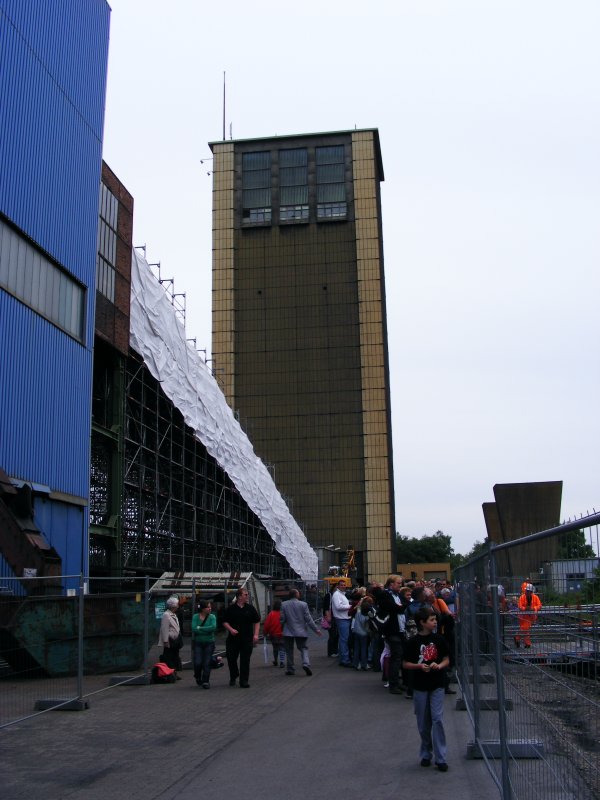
53,64
65,527
45,388
51,148
70,40
10,586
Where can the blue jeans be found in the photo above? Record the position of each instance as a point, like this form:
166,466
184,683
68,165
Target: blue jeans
361,649
278,650
343,626
202,656
429,710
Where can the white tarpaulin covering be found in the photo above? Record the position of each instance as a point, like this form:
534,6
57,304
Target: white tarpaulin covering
159,337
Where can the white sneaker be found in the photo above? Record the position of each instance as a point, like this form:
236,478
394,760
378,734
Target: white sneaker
386,685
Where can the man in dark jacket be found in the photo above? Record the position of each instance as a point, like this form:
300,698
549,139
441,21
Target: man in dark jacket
241,621
391,610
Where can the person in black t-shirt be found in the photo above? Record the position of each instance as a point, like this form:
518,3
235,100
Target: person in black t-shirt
426,655
241,621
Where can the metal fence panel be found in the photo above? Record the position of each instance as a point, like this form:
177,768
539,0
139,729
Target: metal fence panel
38,649
64,639
530,681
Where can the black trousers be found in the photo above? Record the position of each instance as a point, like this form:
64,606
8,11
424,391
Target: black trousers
396,645
332,641
170,656
238,648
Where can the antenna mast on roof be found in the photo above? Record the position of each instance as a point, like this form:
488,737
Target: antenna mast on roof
223,105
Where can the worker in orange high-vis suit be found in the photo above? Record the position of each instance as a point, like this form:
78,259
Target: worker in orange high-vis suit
529,606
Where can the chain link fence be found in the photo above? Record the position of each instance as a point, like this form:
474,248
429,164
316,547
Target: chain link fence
64,639
529,676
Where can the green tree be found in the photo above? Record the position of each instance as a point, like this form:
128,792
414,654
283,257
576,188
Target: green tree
478,549
591,589
573,545
426,550
457,560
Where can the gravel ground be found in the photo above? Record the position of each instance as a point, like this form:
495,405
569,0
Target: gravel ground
562,711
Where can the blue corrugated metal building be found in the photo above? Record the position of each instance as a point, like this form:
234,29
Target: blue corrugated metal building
53,65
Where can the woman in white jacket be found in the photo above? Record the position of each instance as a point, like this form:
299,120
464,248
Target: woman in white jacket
170,638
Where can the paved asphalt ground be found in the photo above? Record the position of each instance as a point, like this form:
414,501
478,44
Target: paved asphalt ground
336,734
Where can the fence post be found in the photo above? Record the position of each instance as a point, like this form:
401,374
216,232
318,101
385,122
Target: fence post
475,655
80,640
146,626
499,661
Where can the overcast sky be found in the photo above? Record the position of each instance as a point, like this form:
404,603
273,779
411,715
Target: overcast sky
489,118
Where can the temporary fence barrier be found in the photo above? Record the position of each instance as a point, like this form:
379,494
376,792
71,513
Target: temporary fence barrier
64,639
530,679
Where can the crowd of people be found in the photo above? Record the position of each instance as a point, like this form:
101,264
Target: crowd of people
403,630
368,627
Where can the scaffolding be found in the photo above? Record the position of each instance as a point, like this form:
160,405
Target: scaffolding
179,509
175,482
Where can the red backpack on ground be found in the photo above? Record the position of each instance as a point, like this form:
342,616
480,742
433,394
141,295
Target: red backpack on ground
161,673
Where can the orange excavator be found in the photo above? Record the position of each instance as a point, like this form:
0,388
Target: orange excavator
345,572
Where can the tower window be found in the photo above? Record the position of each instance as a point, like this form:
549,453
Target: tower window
293,184
256,187
331,185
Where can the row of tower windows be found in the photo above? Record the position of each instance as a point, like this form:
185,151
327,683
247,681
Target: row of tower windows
293,178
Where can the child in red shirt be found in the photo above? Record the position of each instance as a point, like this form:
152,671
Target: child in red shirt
273,631
427,655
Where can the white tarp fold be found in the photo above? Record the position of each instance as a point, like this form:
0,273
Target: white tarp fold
159,337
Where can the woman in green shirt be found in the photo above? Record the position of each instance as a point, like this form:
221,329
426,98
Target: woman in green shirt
204,627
